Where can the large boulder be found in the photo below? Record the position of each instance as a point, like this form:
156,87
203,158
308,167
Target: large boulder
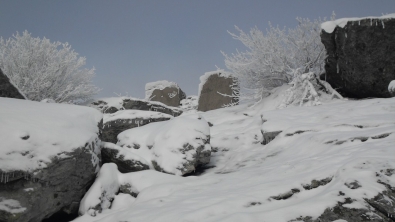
178,146
114,104
126,161
49,156
7,89
115,123
168,93
361,55
216,90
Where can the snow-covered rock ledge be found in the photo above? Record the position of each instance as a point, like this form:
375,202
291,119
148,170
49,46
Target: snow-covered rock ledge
49,154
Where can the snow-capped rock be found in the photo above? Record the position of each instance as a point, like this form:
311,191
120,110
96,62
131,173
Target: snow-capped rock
177,146
49,154
168,93
8,89
126,161
115,123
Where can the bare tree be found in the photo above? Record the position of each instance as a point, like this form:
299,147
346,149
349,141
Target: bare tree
46,70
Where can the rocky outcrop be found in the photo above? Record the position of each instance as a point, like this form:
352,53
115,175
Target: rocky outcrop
7,89
361,55
168,93
216,90
112,105
126,161
58,187
114,124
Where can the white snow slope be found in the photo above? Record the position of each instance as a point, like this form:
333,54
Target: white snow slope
344,141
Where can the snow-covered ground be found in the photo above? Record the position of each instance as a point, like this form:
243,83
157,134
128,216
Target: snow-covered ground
343,143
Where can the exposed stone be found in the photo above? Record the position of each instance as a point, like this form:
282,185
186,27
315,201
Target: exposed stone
269,136
361,57
7,89
123,120
168,93
126,162
56,188
216,90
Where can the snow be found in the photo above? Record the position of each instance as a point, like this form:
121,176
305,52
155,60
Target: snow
391,86
189,105
161,142
329,26
11,206
31,133
125,153
204,78
151,86
134,114
343,140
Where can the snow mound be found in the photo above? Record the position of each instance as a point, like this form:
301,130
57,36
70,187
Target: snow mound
134,114
391,87
329,26
204,78
189,104
151,86
173,146
31,133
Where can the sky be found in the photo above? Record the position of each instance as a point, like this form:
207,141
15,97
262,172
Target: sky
131,43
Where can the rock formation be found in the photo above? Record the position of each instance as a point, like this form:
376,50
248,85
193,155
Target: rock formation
7,89
168,93
49,156
216,90
112,105
115,123
361,55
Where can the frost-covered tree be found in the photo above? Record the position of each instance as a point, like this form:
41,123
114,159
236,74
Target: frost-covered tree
273,57
42,69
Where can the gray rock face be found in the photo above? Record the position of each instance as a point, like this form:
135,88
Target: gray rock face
361,57
269,136
59,187
170,96
7,89
210,97
126,163
117,124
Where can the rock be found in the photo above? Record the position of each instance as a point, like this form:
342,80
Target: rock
114,104
168,93
126,161
7,89
115,123
48,167
269,136
178,146
361,56
216,90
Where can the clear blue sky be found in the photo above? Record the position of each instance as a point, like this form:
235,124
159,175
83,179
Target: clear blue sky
131,43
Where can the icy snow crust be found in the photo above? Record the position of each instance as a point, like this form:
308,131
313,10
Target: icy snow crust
31,133
342,140
151,86
134,114
329,26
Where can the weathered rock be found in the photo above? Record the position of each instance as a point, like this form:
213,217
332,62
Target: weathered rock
168,93
361,57
49,156
115,123
216,90
269,136
126,161
112,105
55,188
7,89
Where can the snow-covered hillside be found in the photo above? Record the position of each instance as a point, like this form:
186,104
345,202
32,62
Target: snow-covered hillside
338,155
